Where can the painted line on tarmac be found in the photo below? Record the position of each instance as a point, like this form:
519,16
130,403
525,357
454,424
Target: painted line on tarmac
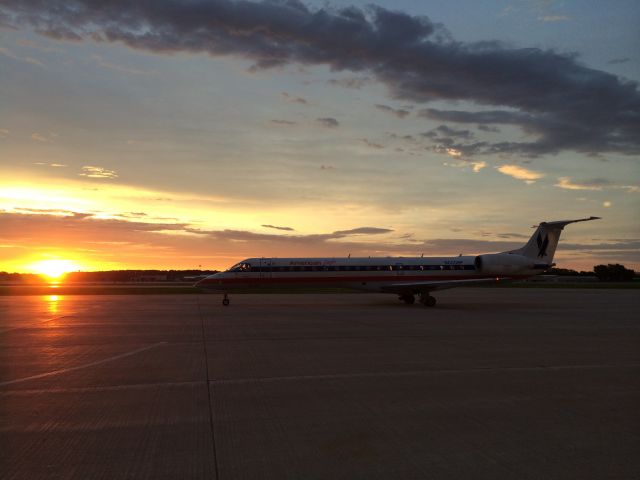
36,325
101,388
79,367
412,373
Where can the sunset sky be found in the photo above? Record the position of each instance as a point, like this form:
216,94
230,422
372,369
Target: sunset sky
193,134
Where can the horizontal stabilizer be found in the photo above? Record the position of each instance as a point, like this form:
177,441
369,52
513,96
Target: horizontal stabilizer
564,223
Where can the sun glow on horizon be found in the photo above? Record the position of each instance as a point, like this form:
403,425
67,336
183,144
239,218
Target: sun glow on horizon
54,269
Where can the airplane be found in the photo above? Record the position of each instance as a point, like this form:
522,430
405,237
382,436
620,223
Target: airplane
403,276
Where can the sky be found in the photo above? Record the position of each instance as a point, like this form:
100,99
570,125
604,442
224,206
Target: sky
192,134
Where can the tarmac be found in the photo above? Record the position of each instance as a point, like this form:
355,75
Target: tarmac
490,384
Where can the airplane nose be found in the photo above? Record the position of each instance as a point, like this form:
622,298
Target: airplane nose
209,283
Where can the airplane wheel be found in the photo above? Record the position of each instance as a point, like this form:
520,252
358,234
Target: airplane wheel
408,299
225,301
429,301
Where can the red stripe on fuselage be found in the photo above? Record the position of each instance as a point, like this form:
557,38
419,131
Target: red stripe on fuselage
395,279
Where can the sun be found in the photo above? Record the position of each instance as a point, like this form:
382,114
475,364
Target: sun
54,269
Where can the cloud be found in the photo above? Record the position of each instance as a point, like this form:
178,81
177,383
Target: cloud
288,123
293,99
23,42
38,137
488,128
371,144
287,229
552,95
595,184
398,112
54,165
443,131
477,166
553,18
328,122
619,60
520,173
350,82
8,53
97,172
4,133
512,235
363,231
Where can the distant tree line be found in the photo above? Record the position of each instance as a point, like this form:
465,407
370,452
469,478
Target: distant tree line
613,273
569,272
115,276
604,273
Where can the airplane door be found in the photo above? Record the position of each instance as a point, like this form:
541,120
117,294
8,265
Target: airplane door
399,268
265,268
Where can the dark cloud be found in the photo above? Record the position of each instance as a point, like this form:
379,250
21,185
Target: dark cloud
328,122
444,131
293,99
395,136
616,61
287,123
511,235
398,112
488,128
133,214
371,144
363,231
286,229
565,104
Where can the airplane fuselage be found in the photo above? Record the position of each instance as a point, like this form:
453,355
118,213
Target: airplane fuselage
365,274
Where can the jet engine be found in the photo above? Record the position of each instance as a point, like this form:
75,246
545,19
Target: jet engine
503,264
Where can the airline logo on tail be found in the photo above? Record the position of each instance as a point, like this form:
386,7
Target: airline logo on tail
542,245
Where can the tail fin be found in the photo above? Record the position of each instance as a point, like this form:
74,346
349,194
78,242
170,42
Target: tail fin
542,244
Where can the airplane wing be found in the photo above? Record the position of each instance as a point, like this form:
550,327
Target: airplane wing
431,285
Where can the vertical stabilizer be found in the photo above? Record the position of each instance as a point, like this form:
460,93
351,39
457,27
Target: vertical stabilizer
542,244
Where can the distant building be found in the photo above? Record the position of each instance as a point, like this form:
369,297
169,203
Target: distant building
156,277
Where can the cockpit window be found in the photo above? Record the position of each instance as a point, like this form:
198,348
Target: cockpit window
240,267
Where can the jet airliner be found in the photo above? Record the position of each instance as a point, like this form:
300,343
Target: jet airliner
406,277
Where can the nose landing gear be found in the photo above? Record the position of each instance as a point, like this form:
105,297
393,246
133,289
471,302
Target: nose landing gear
225,300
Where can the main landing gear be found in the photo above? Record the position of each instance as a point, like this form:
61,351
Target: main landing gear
225,300
409,299
426,299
